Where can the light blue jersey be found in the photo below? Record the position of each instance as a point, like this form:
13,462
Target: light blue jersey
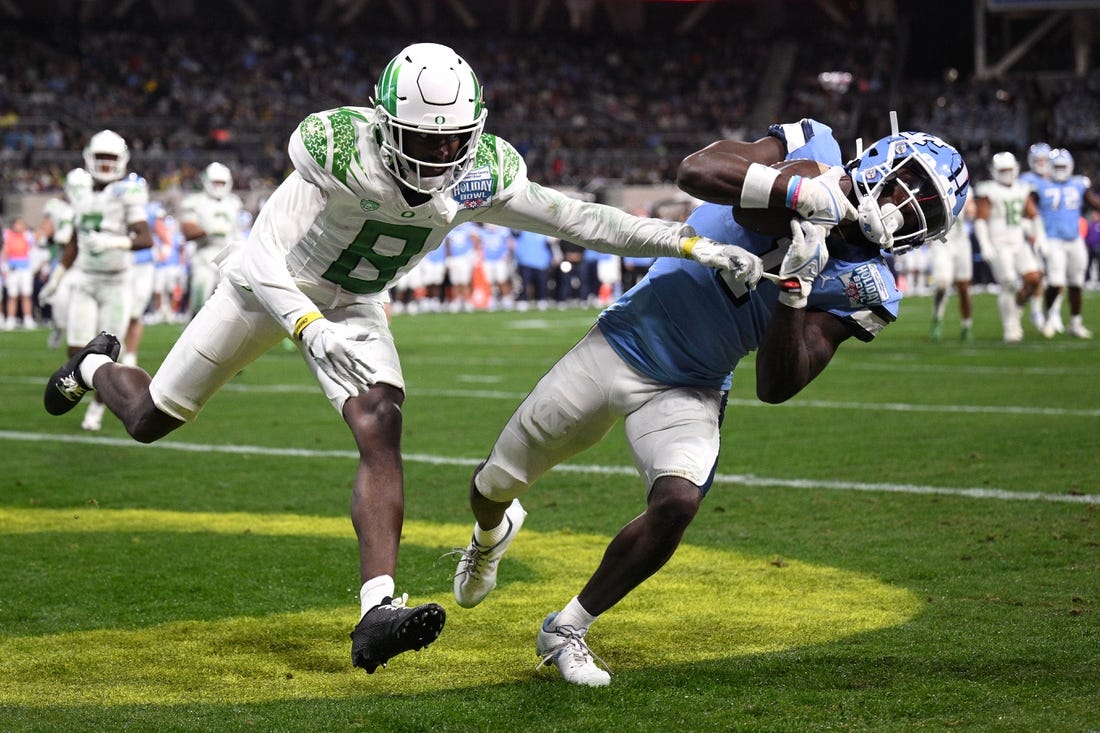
687,325
1060,206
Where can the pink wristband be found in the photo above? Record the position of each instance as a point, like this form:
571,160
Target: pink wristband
793,188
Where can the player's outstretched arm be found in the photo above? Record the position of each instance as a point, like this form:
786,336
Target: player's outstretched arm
717,172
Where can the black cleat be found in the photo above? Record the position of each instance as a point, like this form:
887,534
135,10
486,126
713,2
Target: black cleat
65,387
390,628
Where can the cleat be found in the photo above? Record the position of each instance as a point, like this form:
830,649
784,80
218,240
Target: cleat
390,628
65,387
1050,330
966,336
565,647
1078,330
937,331
93,418
477,564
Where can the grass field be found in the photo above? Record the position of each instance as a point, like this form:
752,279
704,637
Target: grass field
910,544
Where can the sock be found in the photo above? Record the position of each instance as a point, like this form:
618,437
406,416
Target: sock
373,591
574,615
129,358
90,364
1076,321
489,537
966,322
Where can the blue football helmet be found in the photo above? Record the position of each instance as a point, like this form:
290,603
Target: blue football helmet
1038,159
1061,165
910,187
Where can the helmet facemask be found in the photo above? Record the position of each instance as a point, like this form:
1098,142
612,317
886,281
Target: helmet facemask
910,187
428,98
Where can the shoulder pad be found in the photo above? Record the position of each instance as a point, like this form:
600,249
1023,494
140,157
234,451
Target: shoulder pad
324,145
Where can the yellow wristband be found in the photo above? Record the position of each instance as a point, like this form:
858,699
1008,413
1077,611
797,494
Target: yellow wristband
301,323
687,244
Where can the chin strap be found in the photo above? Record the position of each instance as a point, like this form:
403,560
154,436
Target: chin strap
444,206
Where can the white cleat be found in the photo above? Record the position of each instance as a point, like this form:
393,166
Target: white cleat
1078,330
476,575
93,417
565,648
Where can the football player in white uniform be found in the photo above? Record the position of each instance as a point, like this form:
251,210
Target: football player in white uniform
110,223
1005,219
953,265
210,219
1037,173
373,190
57,226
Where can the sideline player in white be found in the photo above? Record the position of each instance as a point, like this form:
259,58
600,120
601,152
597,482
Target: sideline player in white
1038,171
1060,202
110,224
661,358
953,266
210,219
373,190
57,226
1006,215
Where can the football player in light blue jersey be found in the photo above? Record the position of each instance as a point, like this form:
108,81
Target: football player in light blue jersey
661,357
1061,198
373,191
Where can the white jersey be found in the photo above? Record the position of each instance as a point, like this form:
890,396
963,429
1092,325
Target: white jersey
60,214
339,231
112,211
219,218
1006,215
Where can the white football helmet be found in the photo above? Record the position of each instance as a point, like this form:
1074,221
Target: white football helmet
217,181
428,90
106,156
1061,165
1038,159
1006,169
78,184
934,182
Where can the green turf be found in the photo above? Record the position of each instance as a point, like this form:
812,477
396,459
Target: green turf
901,547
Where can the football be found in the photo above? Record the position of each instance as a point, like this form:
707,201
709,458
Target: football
776,221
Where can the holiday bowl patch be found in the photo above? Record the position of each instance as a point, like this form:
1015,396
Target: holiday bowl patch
864,285
476,188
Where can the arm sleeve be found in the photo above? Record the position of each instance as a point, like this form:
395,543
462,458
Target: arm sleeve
281,224
535,208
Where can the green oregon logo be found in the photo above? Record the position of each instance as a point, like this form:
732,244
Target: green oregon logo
440,119
368,205
747,605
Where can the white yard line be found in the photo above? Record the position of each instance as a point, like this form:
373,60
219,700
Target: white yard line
737,479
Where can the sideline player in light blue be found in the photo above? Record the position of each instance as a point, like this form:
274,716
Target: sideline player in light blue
1061,198
661,357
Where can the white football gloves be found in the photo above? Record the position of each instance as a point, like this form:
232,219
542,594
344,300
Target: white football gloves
99,242
742,264
49,288
804,261
820,199
338,352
